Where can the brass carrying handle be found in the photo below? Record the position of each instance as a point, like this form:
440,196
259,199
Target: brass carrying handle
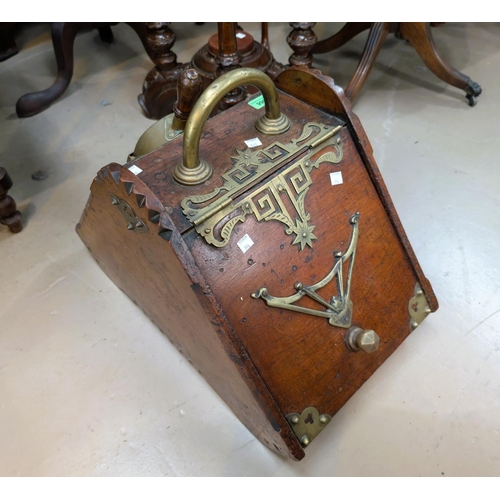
193,170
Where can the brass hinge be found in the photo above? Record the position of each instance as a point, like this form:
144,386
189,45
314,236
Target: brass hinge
215,214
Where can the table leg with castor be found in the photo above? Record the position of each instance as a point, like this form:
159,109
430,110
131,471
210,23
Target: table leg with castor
9,215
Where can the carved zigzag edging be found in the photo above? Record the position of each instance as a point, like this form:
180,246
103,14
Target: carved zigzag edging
141,200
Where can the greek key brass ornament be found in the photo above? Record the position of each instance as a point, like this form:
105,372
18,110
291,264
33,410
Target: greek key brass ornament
418,307
339,309
308,424
215,214
133,223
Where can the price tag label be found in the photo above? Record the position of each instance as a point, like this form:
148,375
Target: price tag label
240,35
253,143
245,243
135,169
257,103
336,178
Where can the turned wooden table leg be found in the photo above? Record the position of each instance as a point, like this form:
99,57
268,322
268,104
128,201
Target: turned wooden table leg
228,58
106,34
420,36
264,39
159,90
301,40
9,216
346,33
63,38
376,38
8,46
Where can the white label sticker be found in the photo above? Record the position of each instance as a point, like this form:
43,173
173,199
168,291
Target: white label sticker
245,243
336,178
135,169
240,35
253,143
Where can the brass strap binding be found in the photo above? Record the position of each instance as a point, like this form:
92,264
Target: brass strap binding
194,170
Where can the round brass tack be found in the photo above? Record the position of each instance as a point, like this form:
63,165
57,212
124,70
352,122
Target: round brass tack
305,441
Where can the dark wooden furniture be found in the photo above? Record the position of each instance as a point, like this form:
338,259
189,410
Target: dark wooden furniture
63,38
231,47
9,215
417,34
8,46
274,271
189,88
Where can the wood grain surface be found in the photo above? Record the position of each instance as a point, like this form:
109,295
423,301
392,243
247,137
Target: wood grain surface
265,362
160,276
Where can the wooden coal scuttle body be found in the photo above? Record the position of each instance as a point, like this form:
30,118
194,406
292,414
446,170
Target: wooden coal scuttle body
284,275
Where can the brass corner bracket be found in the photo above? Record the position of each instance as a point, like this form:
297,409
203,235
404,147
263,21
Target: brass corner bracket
308,424
418,307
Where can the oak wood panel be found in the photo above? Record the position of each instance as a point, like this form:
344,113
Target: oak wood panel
303,358
265,362
161,278
321,92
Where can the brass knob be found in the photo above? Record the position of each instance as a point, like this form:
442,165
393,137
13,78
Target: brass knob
359,339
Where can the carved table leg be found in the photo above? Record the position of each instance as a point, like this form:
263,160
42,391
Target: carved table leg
346,33
376,38
159,91
8,46
106,34
264,39
301,40
63,38
228,58
9,216
419,35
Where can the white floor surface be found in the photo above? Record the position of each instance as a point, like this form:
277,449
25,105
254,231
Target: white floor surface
90,387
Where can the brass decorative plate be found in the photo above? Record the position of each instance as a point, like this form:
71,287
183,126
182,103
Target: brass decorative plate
215,214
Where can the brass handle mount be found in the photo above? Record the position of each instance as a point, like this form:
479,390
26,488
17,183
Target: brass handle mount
195,170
